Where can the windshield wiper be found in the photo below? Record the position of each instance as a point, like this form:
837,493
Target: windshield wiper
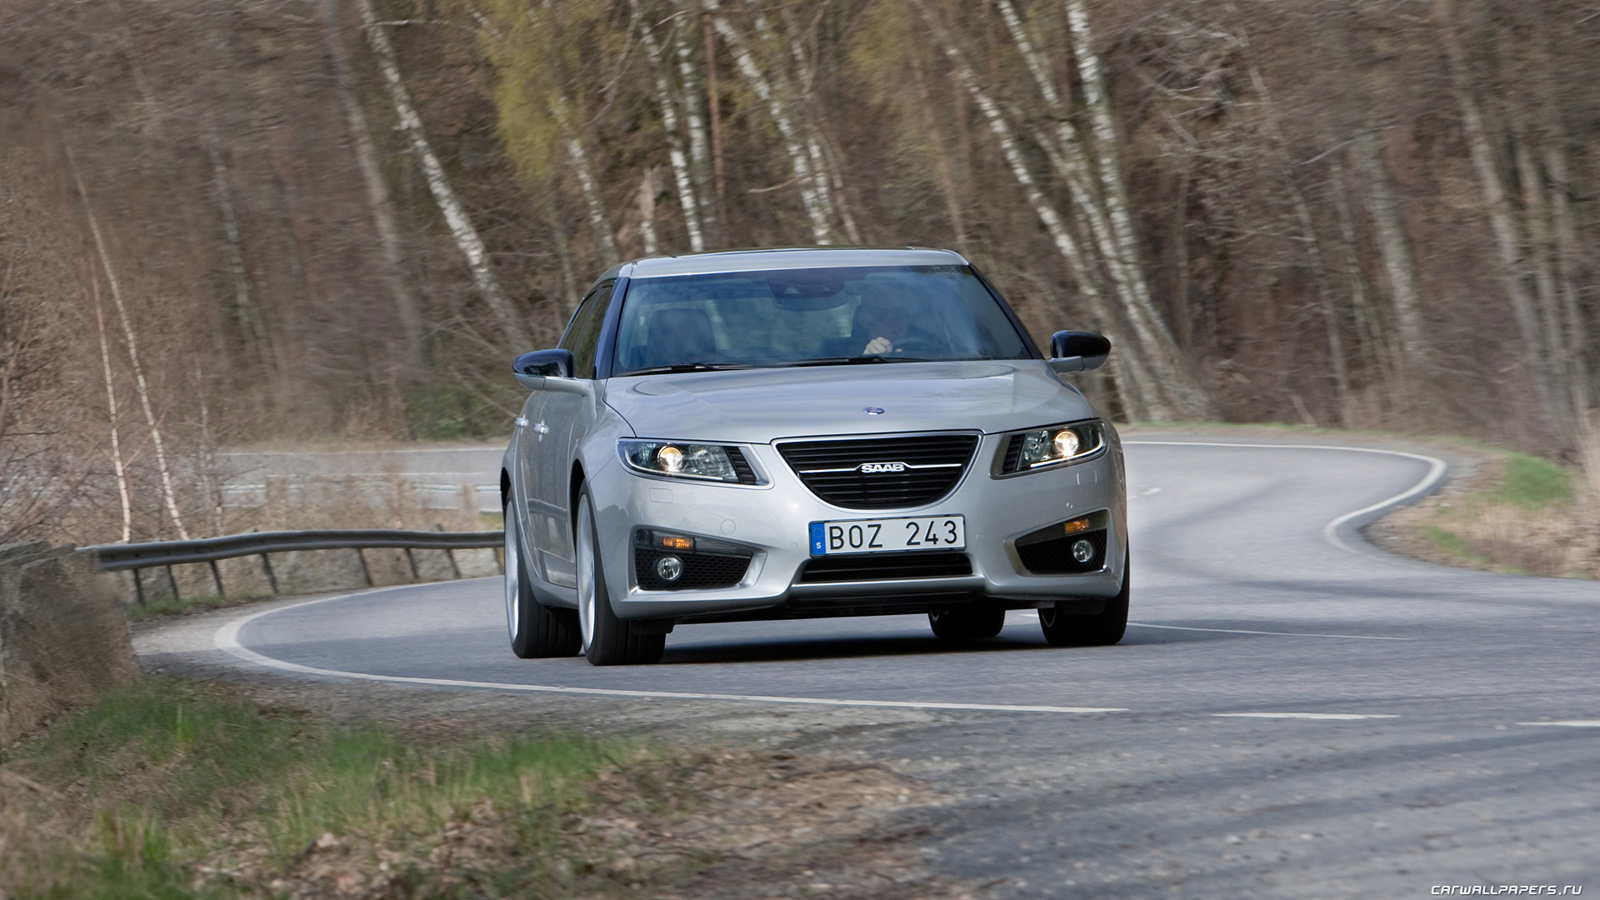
834,361
855,360
687,367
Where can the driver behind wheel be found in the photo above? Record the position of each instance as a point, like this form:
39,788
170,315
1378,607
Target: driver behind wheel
887,318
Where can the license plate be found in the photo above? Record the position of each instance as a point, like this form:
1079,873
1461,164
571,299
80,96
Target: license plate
888,535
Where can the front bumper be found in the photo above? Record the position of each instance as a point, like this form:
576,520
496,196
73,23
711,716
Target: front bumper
772,520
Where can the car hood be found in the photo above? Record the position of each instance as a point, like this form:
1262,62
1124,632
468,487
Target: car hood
760,405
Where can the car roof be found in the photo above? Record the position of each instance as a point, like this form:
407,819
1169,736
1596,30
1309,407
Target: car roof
786,258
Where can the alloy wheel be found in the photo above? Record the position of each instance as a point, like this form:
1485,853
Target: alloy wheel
586,574
513,579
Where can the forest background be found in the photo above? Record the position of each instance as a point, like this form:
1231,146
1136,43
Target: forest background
227,223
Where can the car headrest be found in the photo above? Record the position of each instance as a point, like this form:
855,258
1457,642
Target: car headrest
678,336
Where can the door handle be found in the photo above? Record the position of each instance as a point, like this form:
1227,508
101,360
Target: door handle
541,427
520,421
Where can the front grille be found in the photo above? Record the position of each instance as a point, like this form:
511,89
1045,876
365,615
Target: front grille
932,466
885,566
1049,552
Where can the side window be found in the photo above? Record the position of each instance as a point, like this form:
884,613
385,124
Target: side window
583,335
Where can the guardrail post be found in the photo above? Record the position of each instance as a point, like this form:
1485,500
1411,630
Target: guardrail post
172,582
216,576
449,554
366,573
271,578
138,587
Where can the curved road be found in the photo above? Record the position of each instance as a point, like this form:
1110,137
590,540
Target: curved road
1293,713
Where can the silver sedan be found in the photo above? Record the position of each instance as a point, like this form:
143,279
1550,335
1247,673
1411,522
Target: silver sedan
799,433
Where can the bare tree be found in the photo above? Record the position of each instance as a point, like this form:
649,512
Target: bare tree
455,213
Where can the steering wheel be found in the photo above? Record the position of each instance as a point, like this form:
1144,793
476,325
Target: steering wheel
917,346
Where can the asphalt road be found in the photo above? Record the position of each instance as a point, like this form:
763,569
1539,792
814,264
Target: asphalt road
1294,714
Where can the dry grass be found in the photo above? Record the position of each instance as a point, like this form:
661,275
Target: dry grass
1514,513
173,790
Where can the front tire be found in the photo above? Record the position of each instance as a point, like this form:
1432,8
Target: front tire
607,640
967,623
1101,629
537,631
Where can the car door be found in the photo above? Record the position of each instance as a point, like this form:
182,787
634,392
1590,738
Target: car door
553,438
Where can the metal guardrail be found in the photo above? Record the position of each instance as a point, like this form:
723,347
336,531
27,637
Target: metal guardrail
165,554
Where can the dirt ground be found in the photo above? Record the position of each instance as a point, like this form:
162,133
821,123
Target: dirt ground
765,804
758,804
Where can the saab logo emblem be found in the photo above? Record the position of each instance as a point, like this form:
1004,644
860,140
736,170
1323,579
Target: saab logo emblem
874,468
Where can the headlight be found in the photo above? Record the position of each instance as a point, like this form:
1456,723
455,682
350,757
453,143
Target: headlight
677,459
1056,445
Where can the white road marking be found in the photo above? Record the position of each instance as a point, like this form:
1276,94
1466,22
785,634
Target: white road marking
1332,717
1570,723
1436,470
227,640
1352,637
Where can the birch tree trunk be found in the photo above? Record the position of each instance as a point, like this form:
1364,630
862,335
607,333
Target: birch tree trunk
1567,248
1394,251
824,155
1539,261
647,211
209,476
1136,387
1166,360
687,195
168,493
412,326
699,141
594,201
12,339
1373,342
118,467
794,142
1312,242
941,160
460,223
1067,154
714,99
252,331
1498,207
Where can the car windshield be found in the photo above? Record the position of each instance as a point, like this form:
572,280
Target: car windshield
796,317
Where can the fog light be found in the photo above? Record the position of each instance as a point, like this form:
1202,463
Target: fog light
669,568
1082,551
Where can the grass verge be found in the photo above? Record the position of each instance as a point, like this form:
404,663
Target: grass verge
187,606
168,789
1520,514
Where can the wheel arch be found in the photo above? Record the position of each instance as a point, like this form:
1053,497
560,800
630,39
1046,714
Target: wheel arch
574,488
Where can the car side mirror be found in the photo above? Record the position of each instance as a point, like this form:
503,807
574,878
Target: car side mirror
1078,351
548,370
